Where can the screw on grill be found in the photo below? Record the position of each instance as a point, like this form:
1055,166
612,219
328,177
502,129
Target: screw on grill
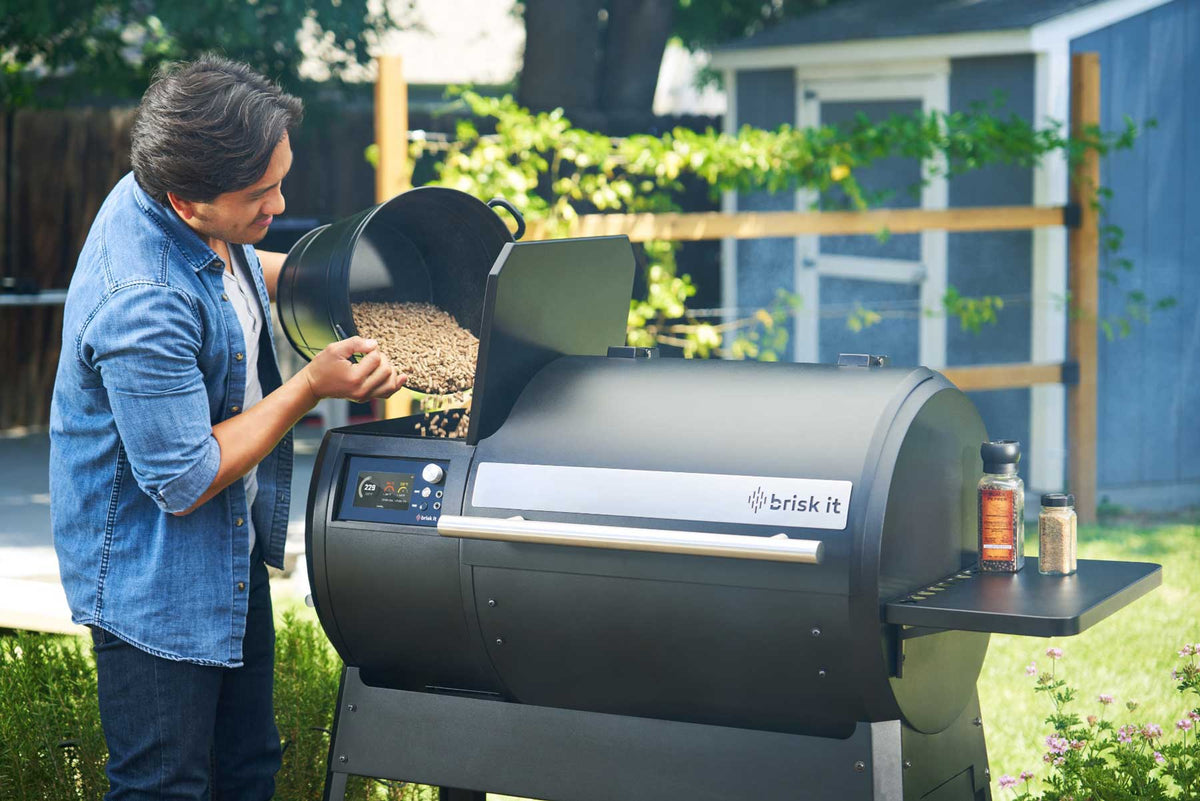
860,766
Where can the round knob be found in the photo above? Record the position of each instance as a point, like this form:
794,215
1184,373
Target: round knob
433,474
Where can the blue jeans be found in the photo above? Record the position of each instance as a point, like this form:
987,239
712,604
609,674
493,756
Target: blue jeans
177,730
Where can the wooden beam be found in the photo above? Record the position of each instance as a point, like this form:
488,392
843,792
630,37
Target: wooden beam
391,175
980,377
5,233
761,225
1083,280
391,128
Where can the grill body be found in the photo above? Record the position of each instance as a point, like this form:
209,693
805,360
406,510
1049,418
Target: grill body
652,579
776,646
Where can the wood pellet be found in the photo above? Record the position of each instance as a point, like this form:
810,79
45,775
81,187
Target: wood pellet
423,342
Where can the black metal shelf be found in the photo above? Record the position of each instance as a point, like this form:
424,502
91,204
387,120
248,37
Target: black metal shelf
1027,602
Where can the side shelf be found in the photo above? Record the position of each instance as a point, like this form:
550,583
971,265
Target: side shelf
1027,602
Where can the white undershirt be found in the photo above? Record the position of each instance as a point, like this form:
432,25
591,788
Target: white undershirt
239,286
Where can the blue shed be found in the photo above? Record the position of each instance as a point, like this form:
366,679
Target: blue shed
884,56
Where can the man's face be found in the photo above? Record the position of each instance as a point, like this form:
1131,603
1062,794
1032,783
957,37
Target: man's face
242,217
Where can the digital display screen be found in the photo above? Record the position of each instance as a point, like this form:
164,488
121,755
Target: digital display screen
383,490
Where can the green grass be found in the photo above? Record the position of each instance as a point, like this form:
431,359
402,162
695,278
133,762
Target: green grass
1130,655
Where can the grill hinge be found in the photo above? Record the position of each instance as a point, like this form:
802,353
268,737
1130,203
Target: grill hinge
861,360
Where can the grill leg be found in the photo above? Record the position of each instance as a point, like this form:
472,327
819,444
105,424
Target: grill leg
335,786
454,794
335,783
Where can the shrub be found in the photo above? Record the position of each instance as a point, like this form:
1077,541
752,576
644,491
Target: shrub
52,747
1094,757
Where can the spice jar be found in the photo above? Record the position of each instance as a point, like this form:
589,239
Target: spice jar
1001,508
1056,535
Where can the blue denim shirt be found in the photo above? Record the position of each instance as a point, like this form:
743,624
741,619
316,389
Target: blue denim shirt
151,360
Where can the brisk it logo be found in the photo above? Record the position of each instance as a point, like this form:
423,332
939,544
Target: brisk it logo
796,503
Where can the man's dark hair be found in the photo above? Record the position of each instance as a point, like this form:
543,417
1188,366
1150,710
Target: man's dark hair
208,127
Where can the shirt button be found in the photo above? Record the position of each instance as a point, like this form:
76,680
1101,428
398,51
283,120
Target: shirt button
240,521
224,296
238,356
235,409
241,586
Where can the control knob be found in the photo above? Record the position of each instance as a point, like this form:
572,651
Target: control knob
433,474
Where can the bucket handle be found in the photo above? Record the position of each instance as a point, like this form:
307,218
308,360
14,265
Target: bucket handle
511,209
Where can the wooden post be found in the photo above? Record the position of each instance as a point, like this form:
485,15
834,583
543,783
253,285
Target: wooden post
391,174
1084,285
391,128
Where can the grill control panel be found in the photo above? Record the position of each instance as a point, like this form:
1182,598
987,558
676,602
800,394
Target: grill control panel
390,490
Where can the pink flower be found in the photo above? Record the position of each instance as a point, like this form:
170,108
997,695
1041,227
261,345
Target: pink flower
1194,714
1026,775
1007,781
1054,653
1152,731
1159,758
1057,745
1059,760
1187,650
1092,720
1031,669
1125,734
1184,725
1106,699
1078,744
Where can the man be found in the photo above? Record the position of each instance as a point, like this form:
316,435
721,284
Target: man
171,451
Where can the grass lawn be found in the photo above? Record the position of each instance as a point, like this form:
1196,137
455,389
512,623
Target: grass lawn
1130,655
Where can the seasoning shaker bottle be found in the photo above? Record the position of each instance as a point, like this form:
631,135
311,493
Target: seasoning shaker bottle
1001,508
1056,535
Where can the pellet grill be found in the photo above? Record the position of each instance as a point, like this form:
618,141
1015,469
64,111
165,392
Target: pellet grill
656,578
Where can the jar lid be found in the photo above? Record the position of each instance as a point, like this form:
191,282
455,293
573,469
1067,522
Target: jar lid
1058,499
1000,456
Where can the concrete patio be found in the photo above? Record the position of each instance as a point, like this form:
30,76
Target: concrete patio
31,596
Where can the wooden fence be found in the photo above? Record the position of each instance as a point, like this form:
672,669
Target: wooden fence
1079,373
56,168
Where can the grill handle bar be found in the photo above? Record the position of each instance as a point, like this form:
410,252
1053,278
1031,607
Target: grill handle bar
622,538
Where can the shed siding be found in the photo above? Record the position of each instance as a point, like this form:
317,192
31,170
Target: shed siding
994,263
765,99
1150,380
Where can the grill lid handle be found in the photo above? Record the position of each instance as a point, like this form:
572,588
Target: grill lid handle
622,538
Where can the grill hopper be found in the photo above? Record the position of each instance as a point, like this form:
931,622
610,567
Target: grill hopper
429,245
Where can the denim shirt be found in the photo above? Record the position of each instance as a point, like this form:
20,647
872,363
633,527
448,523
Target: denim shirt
152,358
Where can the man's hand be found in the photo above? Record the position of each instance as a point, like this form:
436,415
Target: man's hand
246,438
331,374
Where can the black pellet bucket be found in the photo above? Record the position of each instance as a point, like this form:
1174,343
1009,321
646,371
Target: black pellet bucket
428,245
